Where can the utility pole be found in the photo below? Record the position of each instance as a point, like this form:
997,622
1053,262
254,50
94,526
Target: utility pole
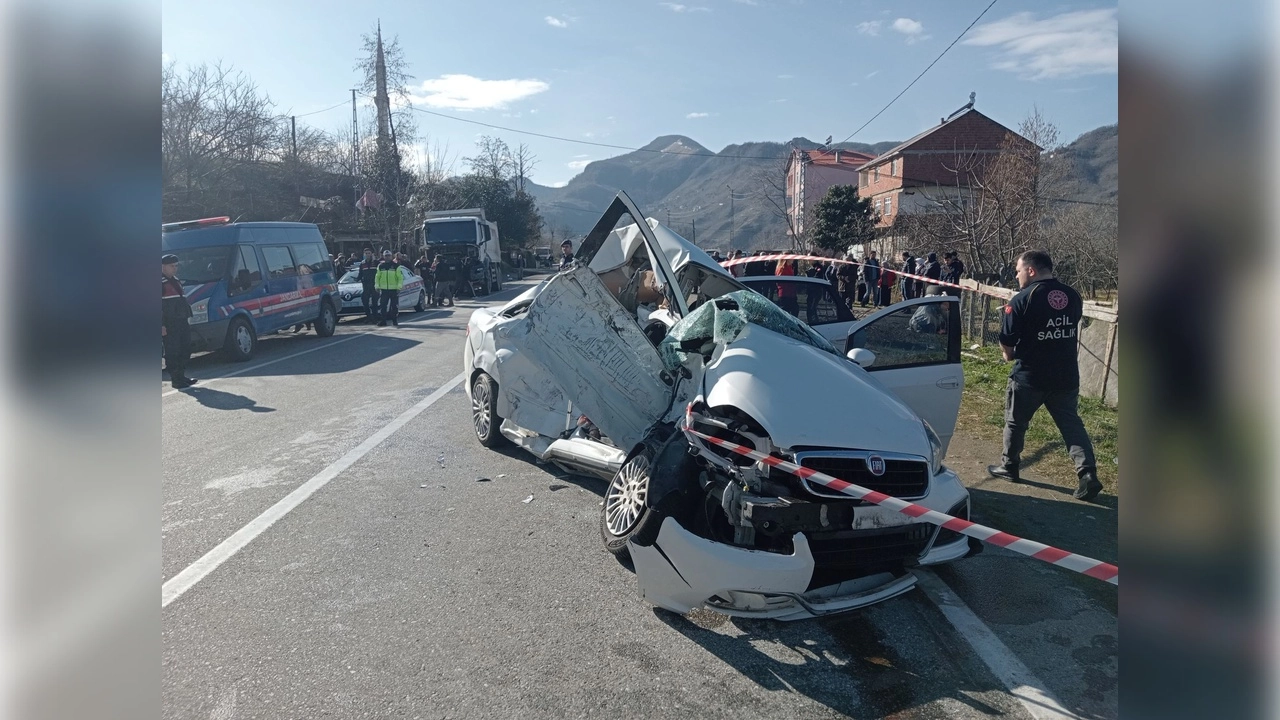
293,133
732,220
694,234
668,217
355,148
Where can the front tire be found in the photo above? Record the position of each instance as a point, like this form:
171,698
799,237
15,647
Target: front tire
241,340
327,323
484,411
422,302
625,514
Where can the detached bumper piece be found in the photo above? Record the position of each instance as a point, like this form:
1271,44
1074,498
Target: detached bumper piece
682,571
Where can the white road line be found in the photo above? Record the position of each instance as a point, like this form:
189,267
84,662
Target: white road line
196,571
1008,669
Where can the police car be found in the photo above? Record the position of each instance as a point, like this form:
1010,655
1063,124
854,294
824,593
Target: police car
351,291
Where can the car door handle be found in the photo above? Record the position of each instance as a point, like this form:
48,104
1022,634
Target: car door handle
949,383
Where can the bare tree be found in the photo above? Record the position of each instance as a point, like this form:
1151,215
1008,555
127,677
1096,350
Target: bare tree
523,161
493,159
990,211
771,191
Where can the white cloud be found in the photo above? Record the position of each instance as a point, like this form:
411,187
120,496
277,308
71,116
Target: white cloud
578,164
560,184
913,29
695,116
677,7
464,92
747,2
1067,45
556,22
870,27
872,74
581,156
779,100
164,58
785,77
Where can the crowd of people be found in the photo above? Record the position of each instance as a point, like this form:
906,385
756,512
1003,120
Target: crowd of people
381,282
866,280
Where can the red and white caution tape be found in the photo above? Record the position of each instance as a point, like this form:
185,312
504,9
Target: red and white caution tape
1054,556
818,258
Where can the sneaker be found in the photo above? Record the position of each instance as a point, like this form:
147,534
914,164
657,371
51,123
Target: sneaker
396,323
1008,472
1090,486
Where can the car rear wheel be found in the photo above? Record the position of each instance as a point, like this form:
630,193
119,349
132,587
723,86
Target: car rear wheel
241,340
625,514
422,301
484,411
328,320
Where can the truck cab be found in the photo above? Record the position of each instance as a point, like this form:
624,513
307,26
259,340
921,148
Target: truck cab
466,234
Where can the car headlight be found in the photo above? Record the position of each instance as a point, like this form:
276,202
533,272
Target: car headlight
935,447
199,312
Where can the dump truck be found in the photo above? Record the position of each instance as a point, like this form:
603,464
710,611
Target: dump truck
469,236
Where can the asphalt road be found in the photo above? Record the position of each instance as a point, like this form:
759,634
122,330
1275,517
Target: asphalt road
405,576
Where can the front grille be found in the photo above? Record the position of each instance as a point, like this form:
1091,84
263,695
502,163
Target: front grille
906,479
847,554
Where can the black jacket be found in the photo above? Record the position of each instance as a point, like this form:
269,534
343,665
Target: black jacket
174,308
368,271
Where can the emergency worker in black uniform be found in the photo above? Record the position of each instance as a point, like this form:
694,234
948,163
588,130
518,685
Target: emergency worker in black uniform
368,291
566,256
1039,332
174,328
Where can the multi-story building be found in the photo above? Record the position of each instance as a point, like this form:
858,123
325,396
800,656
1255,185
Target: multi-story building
811,172
942,161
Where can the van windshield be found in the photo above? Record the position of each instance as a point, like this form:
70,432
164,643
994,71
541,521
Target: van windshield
203,265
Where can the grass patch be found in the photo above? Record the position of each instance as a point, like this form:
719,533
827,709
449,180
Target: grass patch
982,413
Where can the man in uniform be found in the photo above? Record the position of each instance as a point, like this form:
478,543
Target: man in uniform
566,254
174,327
388,282
368,290
908,284
1039,332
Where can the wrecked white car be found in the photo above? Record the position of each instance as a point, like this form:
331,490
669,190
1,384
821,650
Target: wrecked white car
596,368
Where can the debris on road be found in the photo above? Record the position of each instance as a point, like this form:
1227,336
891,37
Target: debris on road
422,485
554,488
528,499
484,479
441,459
502,476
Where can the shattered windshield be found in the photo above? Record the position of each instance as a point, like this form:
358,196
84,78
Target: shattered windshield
723,320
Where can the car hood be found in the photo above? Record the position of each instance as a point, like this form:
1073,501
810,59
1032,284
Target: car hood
806,396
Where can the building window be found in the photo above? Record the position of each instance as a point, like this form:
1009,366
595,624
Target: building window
888,205
893,168
875,173
862,179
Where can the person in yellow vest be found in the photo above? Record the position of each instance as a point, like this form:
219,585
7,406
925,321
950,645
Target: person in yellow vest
388,283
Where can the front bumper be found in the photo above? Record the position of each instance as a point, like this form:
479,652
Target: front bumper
682,571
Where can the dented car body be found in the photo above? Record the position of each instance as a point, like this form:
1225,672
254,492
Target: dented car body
597,368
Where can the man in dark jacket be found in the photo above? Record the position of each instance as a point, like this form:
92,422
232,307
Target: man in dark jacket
1039,332
908,284
423,268
175,330
566,254
368,292
870,278
848,277
951,271
931,270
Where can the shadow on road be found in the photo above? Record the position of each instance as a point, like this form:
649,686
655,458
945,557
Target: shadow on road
219,400
839,662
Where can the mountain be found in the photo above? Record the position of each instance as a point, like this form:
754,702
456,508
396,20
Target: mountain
1086,169
686,186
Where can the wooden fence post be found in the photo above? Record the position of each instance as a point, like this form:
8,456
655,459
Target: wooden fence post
986,310
1106,365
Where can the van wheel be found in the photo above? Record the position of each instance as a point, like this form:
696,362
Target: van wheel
328,320
241,340
422,301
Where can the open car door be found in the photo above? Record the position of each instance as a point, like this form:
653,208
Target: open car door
581,337
917,349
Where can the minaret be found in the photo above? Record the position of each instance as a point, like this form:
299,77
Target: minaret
380,100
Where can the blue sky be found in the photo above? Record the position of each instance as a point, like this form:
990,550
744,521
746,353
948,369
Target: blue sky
718,71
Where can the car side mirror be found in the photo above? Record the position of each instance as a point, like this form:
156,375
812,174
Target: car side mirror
862,356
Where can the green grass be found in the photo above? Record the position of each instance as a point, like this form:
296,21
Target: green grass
982,412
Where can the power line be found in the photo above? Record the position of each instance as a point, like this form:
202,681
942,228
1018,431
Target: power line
317,112
922,72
